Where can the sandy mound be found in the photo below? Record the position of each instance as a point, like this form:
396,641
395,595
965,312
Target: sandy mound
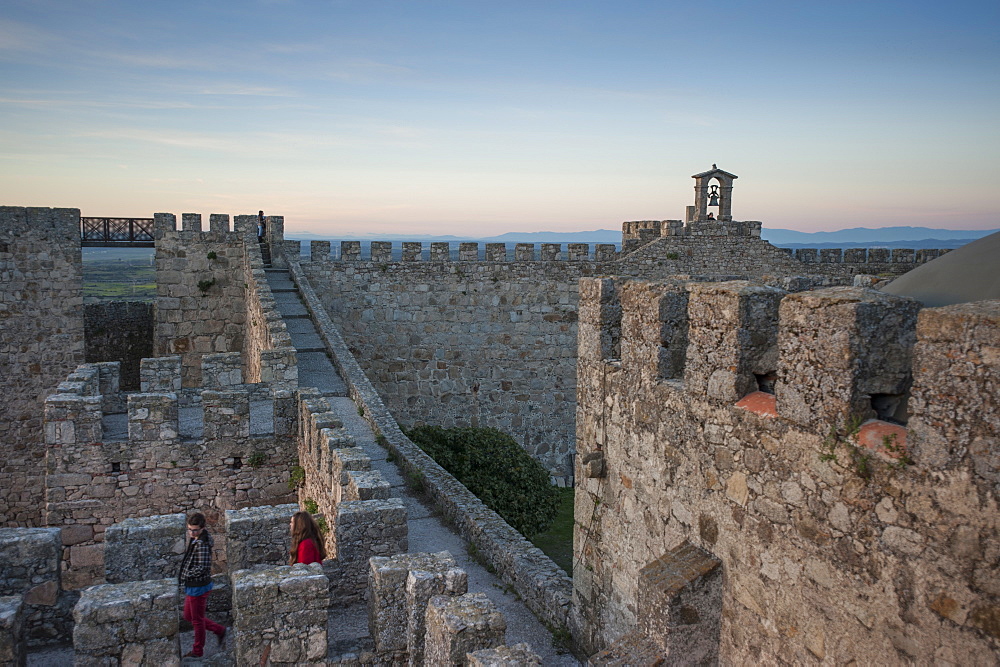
970,273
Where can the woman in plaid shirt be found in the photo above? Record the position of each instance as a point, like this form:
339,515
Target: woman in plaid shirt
196,577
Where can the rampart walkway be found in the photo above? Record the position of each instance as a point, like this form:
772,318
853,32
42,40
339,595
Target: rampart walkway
427,532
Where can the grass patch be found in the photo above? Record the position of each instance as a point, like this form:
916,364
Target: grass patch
557,541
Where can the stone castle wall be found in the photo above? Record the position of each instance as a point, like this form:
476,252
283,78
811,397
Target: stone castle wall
41,341
94,481
842,535
490,340
200,290
465,343
119,331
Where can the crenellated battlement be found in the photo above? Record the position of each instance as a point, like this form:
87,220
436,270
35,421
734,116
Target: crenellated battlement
415,251
111,455
824,357
842,428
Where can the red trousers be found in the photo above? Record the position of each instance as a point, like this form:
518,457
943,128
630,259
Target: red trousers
194,612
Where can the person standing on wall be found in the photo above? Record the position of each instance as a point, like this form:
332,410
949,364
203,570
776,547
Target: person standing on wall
196,577
260,226
307,544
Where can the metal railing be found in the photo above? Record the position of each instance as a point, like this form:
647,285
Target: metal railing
135,232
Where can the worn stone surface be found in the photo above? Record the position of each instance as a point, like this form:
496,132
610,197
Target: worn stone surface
200,304
258,536
503,656
130,623
12,646
42,338
147,548
31,568
399,590
830,552
282,613
458,625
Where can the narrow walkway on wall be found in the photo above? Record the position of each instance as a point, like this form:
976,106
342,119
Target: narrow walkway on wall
348,631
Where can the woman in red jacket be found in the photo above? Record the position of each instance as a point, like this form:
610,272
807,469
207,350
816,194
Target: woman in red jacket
307,545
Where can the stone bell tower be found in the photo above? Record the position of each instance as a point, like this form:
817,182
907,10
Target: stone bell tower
708,194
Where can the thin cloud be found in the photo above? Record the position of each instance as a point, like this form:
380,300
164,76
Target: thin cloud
69,105
237,89
21,37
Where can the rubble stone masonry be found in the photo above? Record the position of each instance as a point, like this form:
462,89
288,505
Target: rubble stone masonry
842,537
41,342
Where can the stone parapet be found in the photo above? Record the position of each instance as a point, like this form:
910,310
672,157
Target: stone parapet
226,415
400,588
138,549
363,529
828,379
30,570
134,623
280,615
160,374
258,536
152,418
460,625
384,252
222,371
806,503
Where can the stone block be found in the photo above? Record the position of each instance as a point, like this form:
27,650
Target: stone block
226,414
381,251
220,371
954,404
654,329
680,603
457,626
282,613
399,589
319,251
732,338
143,548
496,252
153,418
368,485
128,623
503,656
440,251
411,251
28,557
160,374
258,536
12,648
839,347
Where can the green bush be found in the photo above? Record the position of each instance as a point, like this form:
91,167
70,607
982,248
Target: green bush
495,468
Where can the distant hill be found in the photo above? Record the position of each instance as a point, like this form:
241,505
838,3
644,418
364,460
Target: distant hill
887,237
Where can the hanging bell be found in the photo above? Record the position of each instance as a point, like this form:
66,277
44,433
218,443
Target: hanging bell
713,196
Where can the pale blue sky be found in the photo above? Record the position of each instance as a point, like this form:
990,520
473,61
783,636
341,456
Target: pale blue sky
486,117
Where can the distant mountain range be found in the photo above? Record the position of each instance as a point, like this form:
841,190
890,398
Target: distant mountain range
887,237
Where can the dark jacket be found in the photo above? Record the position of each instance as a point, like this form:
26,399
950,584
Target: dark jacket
196,568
